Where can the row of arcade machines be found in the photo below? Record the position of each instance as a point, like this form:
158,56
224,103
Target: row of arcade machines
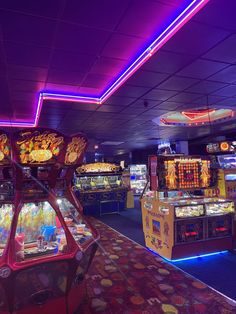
138,178
100,188
226,183
177,221
46,245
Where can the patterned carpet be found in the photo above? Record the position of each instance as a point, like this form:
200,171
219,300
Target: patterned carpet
125,278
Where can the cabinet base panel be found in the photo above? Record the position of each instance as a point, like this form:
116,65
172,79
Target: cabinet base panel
201,248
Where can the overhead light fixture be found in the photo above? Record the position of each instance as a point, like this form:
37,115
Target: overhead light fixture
194,117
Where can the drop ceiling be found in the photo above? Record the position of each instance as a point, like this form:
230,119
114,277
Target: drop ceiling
80,47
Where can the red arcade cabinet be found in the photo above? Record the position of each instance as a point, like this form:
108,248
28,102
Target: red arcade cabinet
46,245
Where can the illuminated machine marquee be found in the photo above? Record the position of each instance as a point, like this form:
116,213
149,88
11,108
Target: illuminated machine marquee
47,146
195,117
5,149
185,173
39,147
98,167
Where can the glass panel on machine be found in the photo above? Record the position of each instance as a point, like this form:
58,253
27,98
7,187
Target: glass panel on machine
39,232
189,211
36,172
6,214
78,228
230,177
219,208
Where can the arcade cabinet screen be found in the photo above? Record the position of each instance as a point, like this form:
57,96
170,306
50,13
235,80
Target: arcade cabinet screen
187,173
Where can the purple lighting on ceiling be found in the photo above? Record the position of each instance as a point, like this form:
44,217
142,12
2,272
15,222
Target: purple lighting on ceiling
173,27
76,98
183,18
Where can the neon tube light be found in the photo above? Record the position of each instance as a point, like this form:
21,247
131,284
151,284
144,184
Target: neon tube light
76,98
181,19
190,257
155,46
196,256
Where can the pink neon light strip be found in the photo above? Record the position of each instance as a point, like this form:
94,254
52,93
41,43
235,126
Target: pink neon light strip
186,15
155,46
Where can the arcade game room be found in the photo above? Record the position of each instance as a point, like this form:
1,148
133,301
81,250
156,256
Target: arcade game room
117,157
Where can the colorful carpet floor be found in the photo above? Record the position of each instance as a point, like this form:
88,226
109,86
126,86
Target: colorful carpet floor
125,278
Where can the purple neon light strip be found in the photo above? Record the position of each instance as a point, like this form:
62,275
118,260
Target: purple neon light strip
157,44
77,98
183,18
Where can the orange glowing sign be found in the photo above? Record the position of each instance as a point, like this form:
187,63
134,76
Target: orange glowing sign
39,147
4,147
198,114
74,150
224,146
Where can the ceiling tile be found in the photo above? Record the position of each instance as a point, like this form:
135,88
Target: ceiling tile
167,62
80,39
107,108
227,75
150,13
27,55
206,87
27,29
60,88
167,105
176,83
109,66
132,109
225,51
100,14
185,97
195,39
131,91
36,8
26,86
65,77
159,94
70,61
99,81
201,69
27,73
117,47
216,11
227,91
147,78
119,101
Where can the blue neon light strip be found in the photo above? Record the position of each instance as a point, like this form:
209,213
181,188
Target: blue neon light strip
189,258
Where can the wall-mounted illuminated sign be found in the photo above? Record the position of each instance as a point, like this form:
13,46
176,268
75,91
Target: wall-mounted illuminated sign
225,146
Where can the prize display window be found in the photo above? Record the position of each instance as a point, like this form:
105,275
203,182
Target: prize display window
38,232
6,215
76,225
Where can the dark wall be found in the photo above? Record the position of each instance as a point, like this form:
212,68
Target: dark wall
141,156
195,149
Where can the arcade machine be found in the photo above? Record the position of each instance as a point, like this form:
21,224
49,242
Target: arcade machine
225,162
99,188
184,225
227,176
138,178
46,243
